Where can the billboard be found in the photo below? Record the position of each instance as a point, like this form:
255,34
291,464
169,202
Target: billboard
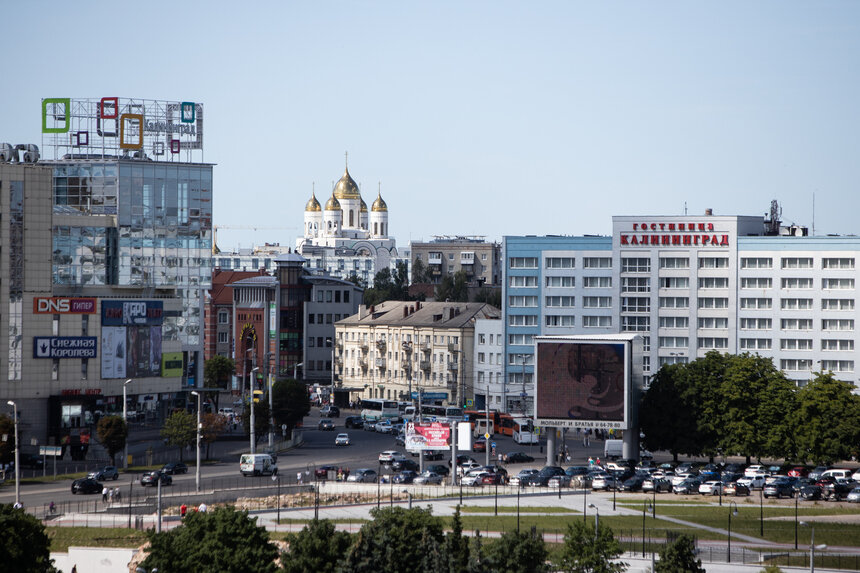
434,436
64,346
584,382
171,364
63,305
131,338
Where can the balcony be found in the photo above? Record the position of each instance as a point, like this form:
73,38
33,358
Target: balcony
434,259
363,345
363,363
452,366
380,363
425,365
381,344
338,343
426,346
467,258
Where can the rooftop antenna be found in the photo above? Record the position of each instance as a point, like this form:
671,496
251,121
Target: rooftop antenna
346,159
685,208
813,213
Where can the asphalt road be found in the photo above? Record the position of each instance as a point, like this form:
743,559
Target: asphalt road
318,449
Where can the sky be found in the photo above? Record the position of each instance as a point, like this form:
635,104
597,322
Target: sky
475,118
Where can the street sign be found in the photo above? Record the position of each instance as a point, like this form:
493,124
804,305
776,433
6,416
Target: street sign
492,444
50,450
469,403
487,436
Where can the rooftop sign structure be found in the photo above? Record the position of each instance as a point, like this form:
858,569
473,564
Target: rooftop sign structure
113,127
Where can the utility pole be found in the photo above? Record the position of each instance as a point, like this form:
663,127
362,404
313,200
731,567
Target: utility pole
253,421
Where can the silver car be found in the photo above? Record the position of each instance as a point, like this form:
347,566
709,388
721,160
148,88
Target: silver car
105,473
363,475
428,478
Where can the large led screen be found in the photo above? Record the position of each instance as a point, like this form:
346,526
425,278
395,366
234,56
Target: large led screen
582,384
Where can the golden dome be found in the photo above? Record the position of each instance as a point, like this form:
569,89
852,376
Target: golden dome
346,188
332,204
363,206
379,205
313,204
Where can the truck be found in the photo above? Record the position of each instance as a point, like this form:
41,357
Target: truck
613,449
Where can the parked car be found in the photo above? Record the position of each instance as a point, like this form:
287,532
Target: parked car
388,457
541,479
354,422
152,478
363,475
798,471
474,477
657,483
105,473
854,495
753,482
174,468
341,440
325,424
604,481
736,489
404,464
810,492
523,477
405,476
561,480
518,458
711,487
369,425
579,476
778,488
432,455
817,472
86,485
838,490
439,469
384,427
322,472
462,459
632,483
330,411
493,478
400,440
755,469
480,445
428,477
688,486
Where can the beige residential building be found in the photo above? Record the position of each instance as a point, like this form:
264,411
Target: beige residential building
398,347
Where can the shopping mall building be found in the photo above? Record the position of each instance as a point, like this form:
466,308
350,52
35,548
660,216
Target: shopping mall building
689,285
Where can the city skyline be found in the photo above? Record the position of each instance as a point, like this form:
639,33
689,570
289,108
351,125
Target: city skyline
485,119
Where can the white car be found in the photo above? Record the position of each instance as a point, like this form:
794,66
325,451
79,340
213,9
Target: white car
390,456
754,470
753,482
474,477
464,468
428,477
678,478
713,487
342,440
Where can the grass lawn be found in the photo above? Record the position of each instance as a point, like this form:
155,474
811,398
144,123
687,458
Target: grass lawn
64,537
513,509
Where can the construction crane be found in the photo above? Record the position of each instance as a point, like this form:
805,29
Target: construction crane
242,228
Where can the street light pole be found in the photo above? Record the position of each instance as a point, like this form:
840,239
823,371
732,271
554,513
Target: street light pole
253,421
125,420
729,547
199,429
811,547
596,520
271,409
17,456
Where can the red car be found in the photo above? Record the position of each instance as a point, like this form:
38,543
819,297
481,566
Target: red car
492,479
480,445
798,471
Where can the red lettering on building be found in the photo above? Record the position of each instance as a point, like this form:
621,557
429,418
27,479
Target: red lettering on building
725,241
624,240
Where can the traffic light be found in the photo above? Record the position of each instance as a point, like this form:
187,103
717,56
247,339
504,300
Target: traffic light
257,395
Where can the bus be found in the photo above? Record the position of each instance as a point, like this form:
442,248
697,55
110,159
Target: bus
443,414
524,431
375,409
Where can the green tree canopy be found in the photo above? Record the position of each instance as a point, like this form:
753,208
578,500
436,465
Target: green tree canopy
453,288
24,544
585,552
290,403
490,295
213,426
217,373
517,552
261,419
670,391
317,547
396,540
679,556
827,420
180,430
222,540
112,432
457,545
419,272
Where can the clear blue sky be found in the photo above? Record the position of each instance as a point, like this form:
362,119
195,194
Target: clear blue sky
480,118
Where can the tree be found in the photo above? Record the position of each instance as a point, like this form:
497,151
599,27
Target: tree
827,420
317,547
453,288
112,432
492,296
213,426
261,419
7,448
290,403
216,374
679,556
356,280
396,540
457,545
419,272
518,552
24,545
670,391
222,540
180,430
585,552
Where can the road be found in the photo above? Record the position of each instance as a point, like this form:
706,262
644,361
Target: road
318,449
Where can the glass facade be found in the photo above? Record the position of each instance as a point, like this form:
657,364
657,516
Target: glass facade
16,278
162,237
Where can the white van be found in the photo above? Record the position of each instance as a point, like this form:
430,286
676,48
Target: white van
613,449
257,465
483,426
838,473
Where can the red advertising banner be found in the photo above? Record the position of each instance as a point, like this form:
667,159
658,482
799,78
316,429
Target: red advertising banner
434,436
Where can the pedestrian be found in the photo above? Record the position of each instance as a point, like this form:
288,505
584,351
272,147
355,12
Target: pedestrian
18,505
299,478
183,509
110,495
75,568
202,507
52,508
117,494
104,494
590,462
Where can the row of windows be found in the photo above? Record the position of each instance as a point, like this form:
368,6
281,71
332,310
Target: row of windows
328,295
560,262
797,324
826,365
555,320
797,263
559,282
